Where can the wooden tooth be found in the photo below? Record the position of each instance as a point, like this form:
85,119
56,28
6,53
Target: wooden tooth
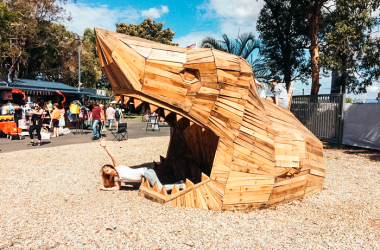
152,107
147,184
163,191
144,183
204,177
126,100
175,189
166,112
203,129
155,187
191,123
117,98
137,102
179,117
189,183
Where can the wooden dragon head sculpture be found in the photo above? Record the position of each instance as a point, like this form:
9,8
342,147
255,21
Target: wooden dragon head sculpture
235,150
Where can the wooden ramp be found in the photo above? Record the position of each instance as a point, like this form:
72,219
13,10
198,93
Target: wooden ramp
254,152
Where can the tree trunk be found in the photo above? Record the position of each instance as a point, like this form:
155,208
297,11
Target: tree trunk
314,51
336,81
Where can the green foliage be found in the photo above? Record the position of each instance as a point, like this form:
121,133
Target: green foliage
8,19
284,35
348,46
148,29
350,100
244,45
47,47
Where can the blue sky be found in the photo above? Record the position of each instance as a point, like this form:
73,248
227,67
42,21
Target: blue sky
191,20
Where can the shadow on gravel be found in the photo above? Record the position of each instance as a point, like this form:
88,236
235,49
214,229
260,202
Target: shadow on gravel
371,154
130,186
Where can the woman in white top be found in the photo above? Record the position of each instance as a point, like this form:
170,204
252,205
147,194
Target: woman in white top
114,175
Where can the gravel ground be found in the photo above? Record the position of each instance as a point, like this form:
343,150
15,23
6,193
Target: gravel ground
49,198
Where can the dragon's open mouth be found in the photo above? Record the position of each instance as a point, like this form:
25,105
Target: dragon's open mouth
191,149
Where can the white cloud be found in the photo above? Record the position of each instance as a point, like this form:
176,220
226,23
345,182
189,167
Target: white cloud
236,15
99,16
373,88
194,37
154,12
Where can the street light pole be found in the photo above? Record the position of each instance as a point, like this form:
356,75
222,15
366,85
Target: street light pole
77,38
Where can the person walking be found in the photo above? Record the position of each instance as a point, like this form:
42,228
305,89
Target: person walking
35,124
118,117
55,119
96,121
110,113
280,93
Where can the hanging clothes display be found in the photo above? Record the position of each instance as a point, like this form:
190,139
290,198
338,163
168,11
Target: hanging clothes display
70,116
75,107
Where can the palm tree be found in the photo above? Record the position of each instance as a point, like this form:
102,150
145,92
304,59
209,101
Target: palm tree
244,45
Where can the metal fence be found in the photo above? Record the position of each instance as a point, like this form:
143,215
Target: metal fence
321,114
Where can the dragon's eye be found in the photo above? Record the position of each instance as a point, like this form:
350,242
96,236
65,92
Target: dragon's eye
189,75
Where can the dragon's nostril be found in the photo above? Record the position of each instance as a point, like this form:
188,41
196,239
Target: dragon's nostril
190,74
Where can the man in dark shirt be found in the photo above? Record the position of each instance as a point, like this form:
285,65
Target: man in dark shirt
96,117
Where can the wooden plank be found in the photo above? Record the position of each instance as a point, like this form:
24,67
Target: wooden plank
214,195
200,201
164,65
288,189
210,202
242,207
164,55
316,172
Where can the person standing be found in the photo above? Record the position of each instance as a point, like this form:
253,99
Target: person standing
110,113
35,124
280,93
102,122
118,117
55,117
96,118
62,122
